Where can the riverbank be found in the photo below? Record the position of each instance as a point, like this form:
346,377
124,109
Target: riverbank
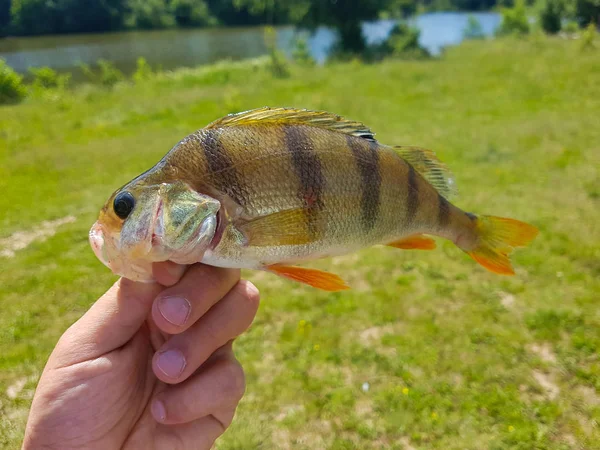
428,350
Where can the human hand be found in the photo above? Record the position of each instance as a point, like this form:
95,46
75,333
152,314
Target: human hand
149,366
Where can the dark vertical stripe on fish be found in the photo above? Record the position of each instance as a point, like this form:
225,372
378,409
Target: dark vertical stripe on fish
224,175
412,195
308,168
443,212
367,160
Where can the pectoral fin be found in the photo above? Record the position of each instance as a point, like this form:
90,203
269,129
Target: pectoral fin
281,228
418,242
313,277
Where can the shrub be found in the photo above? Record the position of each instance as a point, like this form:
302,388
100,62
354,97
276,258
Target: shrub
301,52
514,20
278,64
473,30
189,13
109,74
551,16
143,70
12,89
571,27
587,11
403,42
588,36
150,14
47,78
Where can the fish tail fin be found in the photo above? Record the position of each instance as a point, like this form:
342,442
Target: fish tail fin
496,239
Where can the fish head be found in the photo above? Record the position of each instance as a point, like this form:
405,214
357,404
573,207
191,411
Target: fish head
145,223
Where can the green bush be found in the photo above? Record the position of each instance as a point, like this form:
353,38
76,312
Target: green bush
403,42
150,14
278,64
47,78
551,16
587,11
301,52
473,30
571,27
109,74
589,36
12,89
514,20
143,70
189,13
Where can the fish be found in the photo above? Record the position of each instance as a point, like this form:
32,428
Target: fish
272,188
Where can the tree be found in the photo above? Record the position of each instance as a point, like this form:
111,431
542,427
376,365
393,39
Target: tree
344,15
4,15
150,14
587,11
191,13
551,16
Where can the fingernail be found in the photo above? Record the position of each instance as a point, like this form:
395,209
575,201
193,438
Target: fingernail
174,309
171,363
158,411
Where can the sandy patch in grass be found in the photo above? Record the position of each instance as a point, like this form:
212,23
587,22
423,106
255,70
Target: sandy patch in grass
23,239
544,351
545,381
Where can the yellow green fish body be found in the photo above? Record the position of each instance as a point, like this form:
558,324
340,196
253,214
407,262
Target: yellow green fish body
270,188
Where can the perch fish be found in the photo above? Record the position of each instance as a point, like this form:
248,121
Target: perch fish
273,187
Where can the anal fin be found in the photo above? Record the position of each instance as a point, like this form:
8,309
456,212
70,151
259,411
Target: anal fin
418,242
313,277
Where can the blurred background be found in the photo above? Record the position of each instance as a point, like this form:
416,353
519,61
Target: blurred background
427,350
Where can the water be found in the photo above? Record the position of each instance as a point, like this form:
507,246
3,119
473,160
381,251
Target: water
174,48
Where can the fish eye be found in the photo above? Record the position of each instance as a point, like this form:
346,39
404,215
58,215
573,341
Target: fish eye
123,204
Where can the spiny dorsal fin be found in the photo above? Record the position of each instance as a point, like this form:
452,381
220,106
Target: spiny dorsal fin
430,167
321,119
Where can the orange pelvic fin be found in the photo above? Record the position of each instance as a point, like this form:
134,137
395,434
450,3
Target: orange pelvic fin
418,241
497,239
313,277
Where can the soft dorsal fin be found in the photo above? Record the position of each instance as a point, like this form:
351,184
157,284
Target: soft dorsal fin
430,167
321,119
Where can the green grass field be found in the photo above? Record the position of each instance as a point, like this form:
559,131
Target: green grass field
428,350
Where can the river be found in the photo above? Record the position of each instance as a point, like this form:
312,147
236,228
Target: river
190,47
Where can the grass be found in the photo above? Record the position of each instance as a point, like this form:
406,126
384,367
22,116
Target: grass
428,350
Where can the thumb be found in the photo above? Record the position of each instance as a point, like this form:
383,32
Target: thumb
109,324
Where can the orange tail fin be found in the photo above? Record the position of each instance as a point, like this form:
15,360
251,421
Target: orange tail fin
497,239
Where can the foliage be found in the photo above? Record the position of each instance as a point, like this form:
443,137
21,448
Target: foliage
150,14
514,20
587,11
301,52
402,8
473,30
427,350
278,64
109,74
403,42
188,13
4,16
12,89
143,71
48,78
588,36
551,15
66,16
571,27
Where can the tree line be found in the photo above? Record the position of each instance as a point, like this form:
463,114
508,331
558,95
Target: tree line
38,17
